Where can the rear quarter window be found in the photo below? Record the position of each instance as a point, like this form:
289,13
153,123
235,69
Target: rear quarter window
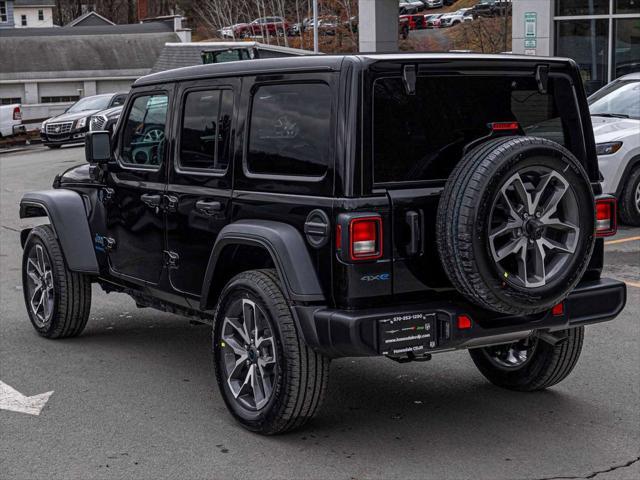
421,137
290,130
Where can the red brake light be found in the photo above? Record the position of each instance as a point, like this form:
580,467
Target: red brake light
365,238
17,114
606,217
504,126
558,310
464,322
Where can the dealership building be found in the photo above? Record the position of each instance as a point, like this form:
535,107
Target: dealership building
602,36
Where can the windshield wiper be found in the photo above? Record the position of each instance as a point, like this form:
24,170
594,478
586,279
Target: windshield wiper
610,115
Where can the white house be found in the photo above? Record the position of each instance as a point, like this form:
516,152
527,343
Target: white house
26,13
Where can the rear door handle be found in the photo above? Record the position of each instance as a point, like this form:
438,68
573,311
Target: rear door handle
150,200
208,207
416,240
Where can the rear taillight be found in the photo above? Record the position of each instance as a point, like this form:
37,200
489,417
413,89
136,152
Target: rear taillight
606,225
365,238
17,114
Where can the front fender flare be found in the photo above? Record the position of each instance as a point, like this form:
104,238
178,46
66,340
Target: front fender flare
68,217
287,249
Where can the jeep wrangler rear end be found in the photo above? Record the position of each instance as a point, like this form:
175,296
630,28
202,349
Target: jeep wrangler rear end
320,207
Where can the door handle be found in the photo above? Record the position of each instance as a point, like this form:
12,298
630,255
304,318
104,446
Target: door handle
208,207
150,200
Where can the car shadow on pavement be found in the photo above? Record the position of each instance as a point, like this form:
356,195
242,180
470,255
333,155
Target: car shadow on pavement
442,400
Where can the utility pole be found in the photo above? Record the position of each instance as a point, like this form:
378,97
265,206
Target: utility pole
315,27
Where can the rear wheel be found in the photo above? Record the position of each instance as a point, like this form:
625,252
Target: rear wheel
269,379
58,300
630,200
530,364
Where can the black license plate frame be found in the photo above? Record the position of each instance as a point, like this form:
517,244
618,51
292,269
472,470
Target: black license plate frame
406,333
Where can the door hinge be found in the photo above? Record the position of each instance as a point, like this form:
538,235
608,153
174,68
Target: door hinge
171,259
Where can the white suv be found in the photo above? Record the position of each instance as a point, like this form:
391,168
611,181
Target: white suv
615,114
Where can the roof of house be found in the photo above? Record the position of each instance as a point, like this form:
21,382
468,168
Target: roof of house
177,55
34,3
89,19
134,28
80,56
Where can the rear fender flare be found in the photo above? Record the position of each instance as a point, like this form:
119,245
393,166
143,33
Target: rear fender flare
287,249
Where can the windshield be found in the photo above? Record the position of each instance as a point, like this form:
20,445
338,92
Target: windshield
620,98
99,102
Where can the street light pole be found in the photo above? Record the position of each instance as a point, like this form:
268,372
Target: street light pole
315,26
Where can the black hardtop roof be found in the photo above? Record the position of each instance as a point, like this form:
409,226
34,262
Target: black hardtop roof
325,62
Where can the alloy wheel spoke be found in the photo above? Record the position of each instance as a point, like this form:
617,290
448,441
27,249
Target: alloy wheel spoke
235,346
34,270
538,261
512,247
41,263
521,191
551,205
249,319
550,244
236,326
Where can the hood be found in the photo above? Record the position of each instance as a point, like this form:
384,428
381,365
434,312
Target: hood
111,112
613,129
65,117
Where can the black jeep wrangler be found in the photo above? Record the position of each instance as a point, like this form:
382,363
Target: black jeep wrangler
318,207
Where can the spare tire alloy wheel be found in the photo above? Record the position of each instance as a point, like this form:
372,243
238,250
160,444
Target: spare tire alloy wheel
249,353
516,221
534,226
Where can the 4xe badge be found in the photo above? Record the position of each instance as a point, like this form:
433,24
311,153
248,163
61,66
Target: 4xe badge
382,277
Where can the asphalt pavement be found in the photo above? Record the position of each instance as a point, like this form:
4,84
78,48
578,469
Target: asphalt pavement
134,396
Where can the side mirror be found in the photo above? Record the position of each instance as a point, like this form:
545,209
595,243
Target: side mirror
97,147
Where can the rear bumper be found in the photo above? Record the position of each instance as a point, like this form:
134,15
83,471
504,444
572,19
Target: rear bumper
343,333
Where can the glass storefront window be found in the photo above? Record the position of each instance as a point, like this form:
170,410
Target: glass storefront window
584,7
586,41
626,6
626,49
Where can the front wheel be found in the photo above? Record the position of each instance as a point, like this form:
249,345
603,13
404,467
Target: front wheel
530,364
58,300
271,381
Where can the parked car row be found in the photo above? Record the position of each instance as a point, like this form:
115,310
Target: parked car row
411,7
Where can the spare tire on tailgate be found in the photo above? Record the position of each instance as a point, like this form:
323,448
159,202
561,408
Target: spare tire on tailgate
515,228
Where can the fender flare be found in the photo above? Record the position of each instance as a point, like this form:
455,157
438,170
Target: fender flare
68,216
287,249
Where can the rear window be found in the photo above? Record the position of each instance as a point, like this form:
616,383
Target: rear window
421,137
290,131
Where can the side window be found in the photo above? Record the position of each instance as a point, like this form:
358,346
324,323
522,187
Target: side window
118,100
290,130
143,131
206,130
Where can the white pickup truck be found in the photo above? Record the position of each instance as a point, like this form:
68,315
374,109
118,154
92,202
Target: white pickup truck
10,120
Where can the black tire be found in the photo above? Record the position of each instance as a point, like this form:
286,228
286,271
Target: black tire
629,207
54,147
547,365
464,223
300,374
70,291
